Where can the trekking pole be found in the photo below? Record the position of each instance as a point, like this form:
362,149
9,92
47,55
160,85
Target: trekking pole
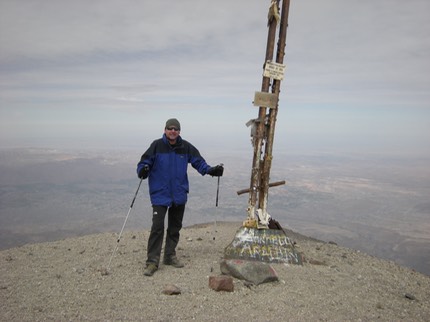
125,221
216,213
216,203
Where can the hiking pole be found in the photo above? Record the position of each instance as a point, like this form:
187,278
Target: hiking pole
216,202
125,221
216,213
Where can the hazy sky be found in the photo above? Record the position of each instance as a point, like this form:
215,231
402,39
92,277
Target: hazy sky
110,72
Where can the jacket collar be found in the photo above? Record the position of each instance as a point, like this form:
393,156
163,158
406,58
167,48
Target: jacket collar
178,141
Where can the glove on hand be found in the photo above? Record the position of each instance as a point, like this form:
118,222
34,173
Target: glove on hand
216,171
143,173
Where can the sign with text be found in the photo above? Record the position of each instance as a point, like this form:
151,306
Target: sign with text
269,100
274,70
264,245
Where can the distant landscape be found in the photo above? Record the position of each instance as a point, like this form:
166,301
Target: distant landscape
376,205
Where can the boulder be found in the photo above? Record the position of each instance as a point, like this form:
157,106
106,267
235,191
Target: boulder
251,271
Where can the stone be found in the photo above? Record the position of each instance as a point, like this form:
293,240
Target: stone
104,271
410,296
171,289
263,245
251,271
221,283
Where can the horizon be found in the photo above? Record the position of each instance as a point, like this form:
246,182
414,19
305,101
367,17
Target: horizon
377,204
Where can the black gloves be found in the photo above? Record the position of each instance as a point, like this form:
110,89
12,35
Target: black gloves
143,173
216,171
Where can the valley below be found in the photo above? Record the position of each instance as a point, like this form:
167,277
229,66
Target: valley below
378,206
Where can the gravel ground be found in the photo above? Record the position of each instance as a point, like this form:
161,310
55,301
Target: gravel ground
65,281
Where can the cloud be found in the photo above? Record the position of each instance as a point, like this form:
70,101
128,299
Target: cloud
56,28
128,58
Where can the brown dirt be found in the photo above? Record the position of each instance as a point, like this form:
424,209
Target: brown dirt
63,281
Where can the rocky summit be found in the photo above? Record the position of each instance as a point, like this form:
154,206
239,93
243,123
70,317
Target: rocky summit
68,280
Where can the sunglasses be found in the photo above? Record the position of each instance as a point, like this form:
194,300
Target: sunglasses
172,129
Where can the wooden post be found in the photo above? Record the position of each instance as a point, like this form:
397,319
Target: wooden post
260,134
265,124
270,132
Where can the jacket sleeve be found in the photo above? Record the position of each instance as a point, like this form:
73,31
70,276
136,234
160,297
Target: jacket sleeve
197,161
147,158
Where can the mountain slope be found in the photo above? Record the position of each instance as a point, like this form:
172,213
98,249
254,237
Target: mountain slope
63,280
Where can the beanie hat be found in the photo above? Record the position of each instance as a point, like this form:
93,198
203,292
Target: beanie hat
173,122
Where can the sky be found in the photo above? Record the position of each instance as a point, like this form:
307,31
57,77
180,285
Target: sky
109,73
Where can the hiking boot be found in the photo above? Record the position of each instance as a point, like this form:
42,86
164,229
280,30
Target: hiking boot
150,269
173,261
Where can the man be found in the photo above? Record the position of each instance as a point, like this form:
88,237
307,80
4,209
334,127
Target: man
165,165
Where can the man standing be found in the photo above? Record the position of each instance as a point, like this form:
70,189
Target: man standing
165,165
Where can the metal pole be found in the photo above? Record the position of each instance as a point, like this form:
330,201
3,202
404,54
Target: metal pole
123,225
216,206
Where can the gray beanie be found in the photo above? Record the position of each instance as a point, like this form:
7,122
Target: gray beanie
173,122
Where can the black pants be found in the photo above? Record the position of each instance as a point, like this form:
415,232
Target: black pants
174,225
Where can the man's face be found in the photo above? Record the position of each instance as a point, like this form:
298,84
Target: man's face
172,133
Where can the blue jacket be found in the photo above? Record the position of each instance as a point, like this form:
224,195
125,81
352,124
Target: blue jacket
168,179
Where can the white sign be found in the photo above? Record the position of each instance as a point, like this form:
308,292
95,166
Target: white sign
269,100
274,70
